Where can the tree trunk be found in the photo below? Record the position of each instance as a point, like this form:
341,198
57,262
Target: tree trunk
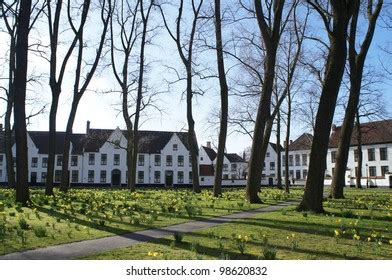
360,155
67,144
192,140
21,54
313,195
224,94
52,141
356,62
278,151
8,139
287,169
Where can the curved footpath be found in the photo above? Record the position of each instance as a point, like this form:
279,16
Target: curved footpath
95,246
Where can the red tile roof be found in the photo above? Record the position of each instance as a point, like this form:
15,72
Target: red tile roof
379,132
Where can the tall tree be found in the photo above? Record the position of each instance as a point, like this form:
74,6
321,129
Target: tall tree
55,80
80,85
21,58
129,23
8,13
269,19
224,95
186,51
336,24
356,65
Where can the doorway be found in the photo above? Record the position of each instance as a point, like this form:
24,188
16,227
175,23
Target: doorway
116,178
169,178
271,181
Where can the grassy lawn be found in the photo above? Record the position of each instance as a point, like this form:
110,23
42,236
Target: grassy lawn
88,214
358,227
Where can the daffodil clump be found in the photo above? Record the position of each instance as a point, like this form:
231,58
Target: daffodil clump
293,241
240,242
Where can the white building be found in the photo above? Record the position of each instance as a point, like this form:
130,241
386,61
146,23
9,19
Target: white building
269,175
99,157
376,153
234,167
299,155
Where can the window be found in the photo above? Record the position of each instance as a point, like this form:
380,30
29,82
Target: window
34,162
383,153
305,174
225,167
157,177
169,160
91,176
272,165
267,154
175,147
356,155
225,176
264,165
1,173
297,160
59,160
157,160
75,176
14,160
140,176
180,160
372,171
291,160
233,176
91,159
201,158
291,173
116,159
333,156
233,167
298,174
180,177
1,159
104,159
141,160
283,160
45,162
304,160
103,176
190,177
384,170
43,177
74,161
57,175
371,154
190,160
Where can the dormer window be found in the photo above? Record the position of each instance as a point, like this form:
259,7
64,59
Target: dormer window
175,147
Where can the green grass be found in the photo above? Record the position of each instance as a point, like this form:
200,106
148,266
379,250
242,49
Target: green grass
358,227
88,214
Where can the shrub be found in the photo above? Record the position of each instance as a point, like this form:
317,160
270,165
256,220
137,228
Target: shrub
23,224
178,236
195,246
269,253
40,232
348,214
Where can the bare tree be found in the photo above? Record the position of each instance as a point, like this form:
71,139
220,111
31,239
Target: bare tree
357,64
8,13
81,84
21,58
55,80
129,23
186,51
336,24
224,94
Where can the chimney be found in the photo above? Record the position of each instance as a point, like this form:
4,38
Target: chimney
208,144
1,127
88,127
291,142
334,128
